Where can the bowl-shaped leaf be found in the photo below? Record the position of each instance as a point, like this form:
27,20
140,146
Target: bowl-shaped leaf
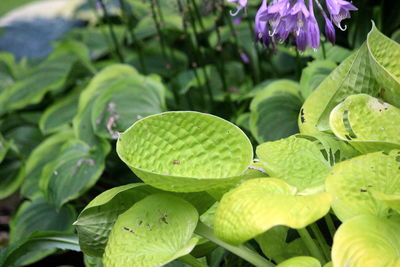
301,261
185,151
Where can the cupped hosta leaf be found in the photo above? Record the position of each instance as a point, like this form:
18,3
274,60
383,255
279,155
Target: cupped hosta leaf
314,74
384,54
353,181
38,215
124,103
274,111
26,251
391,200
44,153
153,232
301,261
95,222
367,123
60,113
296,160
108,77
259,204
185,151
353,76
75,170
367,240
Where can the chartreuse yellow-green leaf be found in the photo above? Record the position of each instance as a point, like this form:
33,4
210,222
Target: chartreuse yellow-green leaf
153,232
352,76
260,204
366,123
392,200
353,184
95,222
367,240
185,151
385,54
301,261
296,160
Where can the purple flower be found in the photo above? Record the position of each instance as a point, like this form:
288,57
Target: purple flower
244,57
240,5
339,10
329,29
298,20
260,26
275,14
313,34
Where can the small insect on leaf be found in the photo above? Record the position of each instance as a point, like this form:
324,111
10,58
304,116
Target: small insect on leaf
176,162
129,230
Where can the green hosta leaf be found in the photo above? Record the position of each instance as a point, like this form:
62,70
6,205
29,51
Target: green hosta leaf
60,113
384,54
92,261
353,76
47,76
185,151
38,215
26,251
367,123
367,240
95,222
301,261
108,77
76,169
352,182
24,138
4,146
11,176
296,160
124,103
155,231
333,53
392,201
44,153
314,74
260,204
274,111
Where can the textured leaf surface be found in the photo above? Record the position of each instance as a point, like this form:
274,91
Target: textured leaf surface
44,153
21,253
95,222
351,182
302,261
127,101
314,74
185,151
76,169
274,111
155,231
259,204
353,76
384,54
367,240
38,215
296,160
367,123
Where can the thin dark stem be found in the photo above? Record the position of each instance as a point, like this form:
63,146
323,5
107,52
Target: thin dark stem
310,244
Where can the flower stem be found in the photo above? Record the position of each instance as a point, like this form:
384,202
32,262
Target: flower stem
321,241
330,224
192,261
241,250
310,244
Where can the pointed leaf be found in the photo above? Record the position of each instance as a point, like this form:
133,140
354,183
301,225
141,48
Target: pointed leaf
384,54
351,182
367,240
353,76
155,231
185,151
296,160
259,204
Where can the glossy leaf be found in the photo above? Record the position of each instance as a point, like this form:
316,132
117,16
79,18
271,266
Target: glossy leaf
353,76
155,231
367,123
274,111
260,204
38,215
76,169
384,53
352,183
296,160
185,151
95,222
367,240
